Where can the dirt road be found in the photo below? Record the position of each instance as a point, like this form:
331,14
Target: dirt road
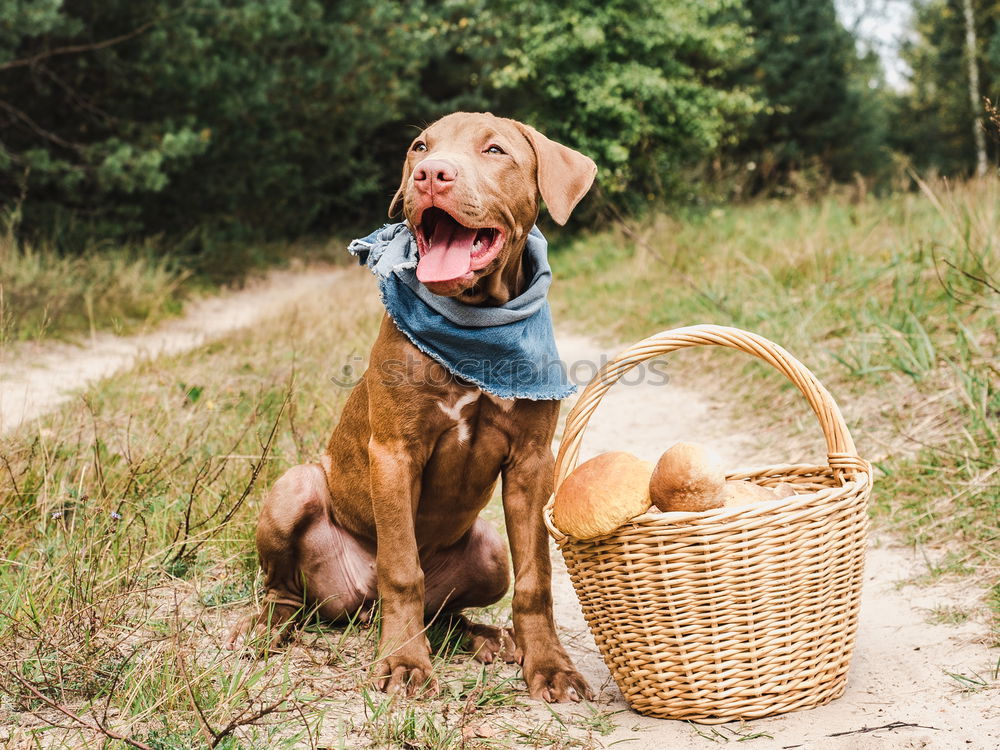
903,674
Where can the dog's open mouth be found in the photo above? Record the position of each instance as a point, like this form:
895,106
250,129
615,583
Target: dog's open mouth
450,251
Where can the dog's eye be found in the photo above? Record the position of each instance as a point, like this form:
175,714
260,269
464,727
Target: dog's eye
494,149
419,146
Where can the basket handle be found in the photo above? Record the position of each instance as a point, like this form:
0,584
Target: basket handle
841,454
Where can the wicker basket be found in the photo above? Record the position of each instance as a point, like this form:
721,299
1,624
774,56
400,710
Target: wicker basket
737,612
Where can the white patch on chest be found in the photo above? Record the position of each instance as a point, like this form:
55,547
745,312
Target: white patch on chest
455,412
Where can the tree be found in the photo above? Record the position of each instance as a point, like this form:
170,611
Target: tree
218,123
822,111
640,86
935,117
204,120
972,61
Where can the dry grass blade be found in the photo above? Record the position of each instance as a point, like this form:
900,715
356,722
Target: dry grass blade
95,727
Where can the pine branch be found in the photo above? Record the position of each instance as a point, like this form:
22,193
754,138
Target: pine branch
73,49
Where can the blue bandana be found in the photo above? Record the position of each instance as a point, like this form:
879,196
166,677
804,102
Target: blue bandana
508,351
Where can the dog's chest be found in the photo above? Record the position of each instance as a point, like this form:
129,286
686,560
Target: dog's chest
469,416
471,436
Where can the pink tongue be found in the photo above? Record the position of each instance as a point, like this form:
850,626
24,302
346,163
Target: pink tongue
449,253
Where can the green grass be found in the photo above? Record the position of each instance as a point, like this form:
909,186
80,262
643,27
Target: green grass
949,615
894,304
128,547
45,293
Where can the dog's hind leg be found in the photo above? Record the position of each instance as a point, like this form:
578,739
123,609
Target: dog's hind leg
309,562
485,643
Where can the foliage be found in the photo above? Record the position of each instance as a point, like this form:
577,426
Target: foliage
934,117
822,113
218,125
240,120
244,120
638,86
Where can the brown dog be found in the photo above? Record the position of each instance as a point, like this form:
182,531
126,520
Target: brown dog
392,510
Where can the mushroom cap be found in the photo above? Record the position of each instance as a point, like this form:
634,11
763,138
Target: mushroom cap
785,489
742,492
601,494
687,478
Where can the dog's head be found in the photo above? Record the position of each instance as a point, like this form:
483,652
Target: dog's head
470,193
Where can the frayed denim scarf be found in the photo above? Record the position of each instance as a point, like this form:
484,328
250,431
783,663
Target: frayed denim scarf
508,351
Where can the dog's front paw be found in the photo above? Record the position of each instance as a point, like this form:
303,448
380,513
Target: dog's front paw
406,673
554,680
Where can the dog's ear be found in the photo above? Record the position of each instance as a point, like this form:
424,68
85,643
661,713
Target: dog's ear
396,204
564,175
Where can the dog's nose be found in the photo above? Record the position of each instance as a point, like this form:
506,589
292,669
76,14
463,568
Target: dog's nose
434,175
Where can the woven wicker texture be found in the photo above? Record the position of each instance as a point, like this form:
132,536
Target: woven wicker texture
736,612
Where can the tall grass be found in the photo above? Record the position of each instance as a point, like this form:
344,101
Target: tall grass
128,537
894,303
43,293
48,293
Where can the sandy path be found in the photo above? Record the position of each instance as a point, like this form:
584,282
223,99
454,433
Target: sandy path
901,663
35,378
